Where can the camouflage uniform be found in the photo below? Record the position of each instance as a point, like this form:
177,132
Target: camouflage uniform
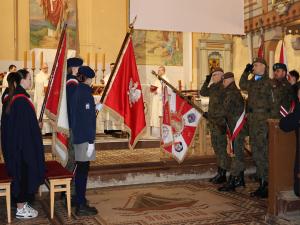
259,110
217,123
233,107
282,93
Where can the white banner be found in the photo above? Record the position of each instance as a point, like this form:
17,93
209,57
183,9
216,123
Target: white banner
213,16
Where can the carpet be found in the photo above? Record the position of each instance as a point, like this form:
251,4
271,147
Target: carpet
174,203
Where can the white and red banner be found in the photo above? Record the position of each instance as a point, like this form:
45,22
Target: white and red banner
261,52
180,121
124,97
282,55
56,104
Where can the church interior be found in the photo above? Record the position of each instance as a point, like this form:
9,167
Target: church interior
146,185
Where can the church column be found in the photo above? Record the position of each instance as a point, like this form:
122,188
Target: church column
202,62
227,58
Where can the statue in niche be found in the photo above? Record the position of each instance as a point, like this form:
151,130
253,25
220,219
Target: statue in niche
282,6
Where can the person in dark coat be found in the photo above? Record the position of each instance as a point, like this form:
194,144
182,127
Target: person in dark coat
12,79
293,77
83,126
25,160
288,124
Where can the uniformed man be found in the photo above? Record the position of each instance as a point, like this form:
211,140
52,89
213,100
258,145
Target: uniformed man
260,102
82,110
217,123
283,101
234,114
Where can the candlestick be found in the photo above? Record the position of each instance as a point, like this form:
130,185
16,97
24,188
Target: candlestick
41,59
33,60
103,65
88,59
96,61
25,59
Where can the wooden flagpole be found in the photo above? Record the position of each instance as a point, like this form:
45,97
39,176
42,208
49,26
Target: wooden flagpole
52,71
127,36
178,92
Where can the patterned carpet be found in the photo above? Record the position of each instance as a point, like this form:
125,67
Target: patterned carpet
176,203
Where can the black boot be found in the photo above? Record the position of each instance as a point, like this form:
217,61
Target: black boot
262,190
240,181
85,210
220,177
230,184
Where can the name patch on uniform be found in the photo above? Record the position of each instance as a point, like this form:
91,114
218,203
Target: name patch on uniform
87,106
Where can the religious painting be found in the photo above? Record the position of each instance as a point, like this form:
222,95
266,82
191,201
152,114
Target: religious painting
214,61
46,20
158,47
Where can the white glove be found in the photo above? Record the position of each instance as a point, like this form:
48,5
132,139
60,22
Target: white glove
99,107
90,150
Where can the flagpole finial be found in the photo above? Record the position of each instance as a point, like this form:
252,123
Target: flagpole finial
131,25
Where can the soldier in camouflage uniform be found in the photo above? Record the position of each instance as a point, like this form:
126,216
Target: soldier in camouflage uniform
234,114
282,91
217,123
259,107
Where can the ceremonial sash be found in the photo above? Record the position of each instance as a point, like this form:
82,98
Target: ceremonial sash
238,127
284,112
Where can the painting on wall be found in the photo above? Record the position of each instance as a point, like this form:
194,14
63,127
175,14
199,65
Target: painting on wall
214,61
158,47
46,20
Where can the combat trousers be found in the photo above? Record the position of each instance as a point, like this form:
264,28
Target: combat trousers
219,144
238,160
258,137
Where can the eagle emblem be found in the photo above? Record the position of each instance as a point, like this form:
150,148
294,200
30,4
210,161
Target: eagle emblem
133,93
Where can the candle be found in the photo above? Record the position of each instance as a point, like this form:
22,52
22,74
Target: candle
41,59
103,61
33,60
179,85
96,61
191,85
25,59
88,59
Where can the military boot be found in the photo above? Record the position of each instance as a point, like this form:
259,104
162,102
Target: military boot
262,190
220,177
240,180
230,184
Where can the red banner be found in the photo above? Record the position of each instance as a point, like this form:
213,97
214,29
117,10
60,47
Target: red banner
124,97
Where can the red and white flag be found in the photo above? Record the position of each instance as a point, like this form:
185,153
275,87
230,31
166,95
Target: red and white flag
124,97
56,103
180,121
282,56
261,53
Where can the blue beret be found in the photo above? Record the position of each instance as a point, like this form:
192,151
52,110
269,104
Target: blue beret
74,62
279,66
87,71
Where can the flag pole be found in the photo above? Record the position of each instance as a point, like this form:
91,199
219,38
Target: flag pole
127,36
52,71
178,92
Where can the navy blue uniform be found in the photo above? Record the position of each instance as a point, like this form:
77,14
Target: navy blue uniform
72,84
291,123
83,115
25,151
4,99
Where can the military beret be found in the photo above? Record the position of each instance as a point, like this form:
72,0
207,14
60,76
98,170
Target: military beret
259,60
228,75
87,71
74,62
218,69
279,66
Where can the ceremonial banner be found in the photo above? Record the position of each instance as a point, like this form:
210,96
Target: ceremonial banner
124,97
56,104
180,121
261,53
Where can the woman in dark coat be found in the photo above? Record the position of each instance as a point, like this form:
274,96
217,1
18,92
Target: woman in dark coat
25,160
291,123
13,79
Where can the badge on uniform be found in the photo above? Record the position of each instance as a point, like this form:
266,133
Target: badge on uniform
87,106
